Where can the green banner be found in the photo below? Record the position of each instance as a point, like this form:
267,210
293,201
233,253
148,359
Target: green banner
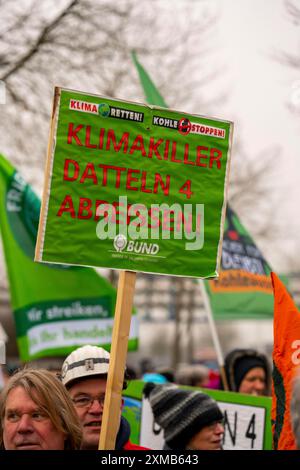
56,308
152,94
133,187
243,289
247,419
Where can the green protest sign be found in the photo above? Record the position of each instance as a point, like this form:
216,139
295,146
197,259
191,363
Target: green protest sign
133,187
247,419
56,308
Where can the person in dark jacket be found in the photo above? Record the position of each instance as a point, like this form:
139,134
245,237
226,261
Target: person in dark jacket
247,371
190,419
84,374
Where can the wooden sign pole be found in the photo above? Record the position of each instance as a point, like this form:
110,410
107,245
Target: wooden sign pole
119,345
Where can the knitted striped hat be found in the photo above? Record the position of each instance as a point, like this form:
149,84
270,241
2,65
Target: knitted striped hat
181,413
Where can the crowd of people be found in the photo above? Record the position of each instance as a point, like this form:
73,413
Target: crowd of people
41,409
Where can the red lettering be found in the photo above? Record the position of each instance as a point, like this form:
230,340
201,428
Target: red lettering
186,160
117,147
166,220
118,169
85,206
118,177
101,137
69,162
165,186
186,189
99,202
67,206
180,219
131,178
173,154
116,220
166,151
187,223
140,221
72,133
138,144
89,173
128,216
215,156
143,186
154,218
201,155
103,208
153,147
88,137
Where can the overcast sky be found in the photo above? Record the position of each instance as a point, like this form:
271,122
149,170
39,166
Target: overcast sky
251,32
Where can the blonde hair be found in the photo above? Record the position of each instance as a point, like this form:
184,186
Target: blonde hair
51,396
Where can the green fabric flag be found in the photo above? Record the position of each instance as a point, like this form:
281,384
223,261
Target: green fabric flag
151,93
243,289
56,307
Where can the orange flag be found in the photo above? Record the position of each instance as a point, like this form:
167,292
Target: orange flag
286,358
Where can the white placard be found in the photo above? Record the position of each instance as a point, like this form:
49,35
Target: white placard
244,427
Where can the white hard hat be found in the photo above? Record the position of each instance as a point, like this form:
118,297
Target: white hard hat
85,361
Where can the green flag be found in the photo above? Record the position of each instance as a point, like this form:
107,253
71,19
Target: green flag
243,289
56,308
151,93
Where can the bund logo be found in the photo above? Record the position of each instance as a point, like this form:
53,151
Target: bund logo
120,242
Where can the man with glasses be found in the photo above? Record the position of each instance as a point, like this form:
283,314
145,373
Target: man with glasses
84,374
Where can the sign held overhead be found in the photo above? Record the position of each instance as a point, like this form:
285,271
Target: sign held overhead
133,187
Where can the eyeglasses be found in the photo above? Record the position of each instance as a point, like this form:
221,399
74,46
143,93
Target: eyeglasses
86,401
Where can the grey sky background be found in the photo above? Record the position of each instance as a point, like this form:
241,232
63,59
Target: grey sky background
264,96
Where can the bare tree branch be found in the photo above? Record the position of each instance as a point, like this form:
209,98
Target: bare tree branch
293,10
40,40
